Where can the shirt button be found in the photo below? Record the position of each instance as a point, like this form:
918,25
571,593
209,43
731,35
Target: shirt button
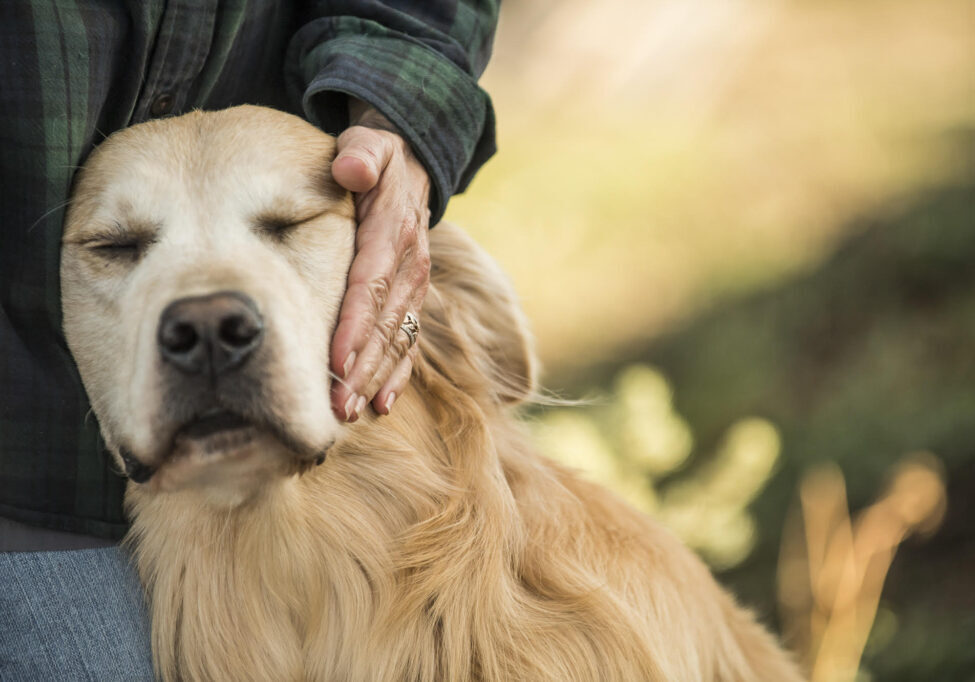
162,105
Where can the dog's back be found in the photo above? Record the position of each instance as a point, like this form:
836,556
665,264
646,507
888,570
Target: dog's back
431,544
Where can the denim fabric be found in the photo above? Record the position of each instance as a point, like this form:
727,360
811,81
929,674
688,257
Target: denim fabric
74,615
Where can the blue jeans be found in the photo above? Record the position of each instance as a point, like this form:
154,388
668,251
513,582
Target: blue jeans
72,615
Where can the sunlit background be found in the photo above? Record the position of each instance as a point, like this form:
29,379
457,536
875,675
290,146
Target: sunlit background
745,230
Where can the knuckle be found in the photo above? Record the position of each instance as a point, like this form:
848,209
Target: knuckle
387,142
360,310
389,330
379,290
359,299
365,141
401,376
423,264
419,275
379,142
401,344
365,135
420,279
397,143
409,229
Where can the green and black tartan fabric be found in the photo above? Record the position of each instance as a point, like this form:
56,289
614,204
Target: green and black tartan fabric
73,71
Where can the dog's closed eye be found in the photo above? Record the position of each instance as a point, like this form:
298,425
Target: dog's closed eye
275,224
120,243
280,223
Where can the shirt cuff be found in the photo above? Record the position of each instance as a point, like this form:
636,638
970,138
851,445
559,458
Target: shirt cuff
439,109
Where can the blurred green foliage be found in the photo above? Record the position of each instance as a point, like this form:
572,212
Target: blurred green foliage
867,358
634,439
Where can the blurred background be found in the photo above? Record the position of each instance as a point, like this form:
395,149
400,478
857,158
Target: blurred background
744,230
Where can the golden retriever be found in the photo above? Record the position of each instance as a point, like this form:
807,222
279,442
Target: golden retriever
204,260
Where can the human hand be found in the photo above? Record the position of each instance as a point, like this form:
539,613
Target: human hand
391,268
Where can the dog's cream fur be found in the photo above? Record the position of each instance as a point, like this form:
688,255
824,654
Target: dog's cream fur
432,544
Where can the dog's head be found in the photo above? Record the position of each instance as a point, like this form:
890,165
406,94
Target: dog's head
203,264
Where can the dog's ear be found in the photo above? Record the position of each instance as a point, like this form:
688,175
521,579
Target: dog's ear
472,309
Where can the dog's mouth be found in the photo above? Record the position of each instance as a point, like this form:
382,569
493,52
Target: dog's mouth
219,433
216,430
210,436
219,436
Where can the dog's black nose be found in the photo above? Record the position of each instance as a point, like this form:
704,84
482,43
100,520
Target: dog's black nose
210,334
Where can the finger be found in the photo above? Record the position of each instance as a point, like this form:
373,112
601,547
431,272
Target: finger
390,363
409,289
373,311
396,383
344,402
371,277
387,343
358,326
396,375
363,155
370,280
385,245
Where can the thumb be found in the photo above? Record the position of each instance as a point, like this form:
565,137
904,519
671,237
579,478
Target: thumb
362,157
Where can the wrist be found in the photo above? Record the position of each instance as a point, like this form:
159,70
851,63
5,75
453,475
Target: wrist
364,114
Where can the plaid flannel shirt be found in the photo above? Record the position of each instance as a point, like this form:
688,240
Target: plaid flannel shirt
73,71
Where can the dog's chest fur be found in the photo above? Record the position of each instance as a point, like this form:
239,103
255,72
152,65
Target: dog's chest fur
371,567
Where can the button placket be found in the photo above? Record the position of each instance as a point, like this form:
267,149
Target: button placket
162,105
183,42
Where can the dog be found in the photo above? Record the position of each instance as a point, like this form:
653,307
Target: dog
204,260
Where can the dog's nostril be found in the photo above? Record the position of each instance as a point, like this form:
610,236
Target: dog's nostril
179,337
238,331
180,341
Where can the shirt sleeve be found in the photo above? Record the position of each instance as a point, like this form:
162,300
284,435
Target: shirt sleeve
415,61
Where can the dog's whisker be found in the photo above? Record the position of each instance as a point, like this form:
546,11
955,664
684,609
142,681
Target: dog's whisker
100,400
337,378
47,213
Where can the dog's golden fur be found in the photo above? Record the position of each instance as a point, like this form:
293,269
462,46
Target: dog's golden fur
432,544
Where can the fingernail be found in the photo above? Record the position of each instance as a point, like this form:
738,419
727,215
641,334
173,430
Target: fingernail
347,365
360,405
390,399
350,406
